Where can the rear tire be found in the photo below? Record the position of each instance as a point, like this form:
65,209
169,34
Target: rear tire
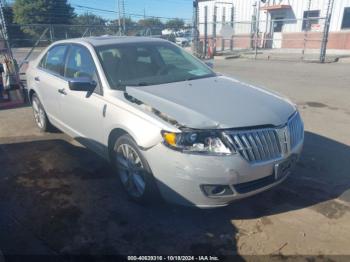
40,116
134,172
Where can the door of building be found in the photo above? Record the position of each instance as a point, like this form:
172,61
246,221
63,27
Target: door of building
277,27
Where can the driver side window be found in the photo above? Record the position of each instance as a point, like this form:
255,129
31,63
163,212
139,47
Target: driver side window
81,65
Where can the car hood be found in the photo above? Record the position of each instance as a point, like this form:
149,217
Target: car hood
216,102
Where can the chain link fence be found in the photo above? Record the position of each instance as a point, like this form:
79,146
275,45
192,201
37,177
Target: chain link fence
27,35
28,40
285,39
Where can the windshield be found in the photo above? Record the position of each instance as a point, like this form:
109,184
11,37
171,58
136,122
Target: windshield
140,64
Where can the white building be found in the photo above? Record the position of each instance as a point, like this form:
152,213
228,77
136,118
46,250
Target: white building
282,22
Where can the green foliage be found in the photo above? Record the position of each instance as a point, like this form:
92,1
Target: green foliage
89,19
42,12
15,34
129,23
175,24
151,22
131,26
86,24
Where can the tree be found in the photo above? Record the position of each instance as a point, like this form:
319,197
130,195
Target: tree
42,12
15,34
89,19
129,23
87,24
151,22
130,26
175,24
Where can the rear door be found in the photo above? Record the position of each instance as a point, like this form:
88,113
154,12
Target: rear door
49,80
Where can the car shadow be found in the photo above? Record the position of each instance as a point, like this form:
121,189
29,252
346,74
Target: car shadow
71,200
320,175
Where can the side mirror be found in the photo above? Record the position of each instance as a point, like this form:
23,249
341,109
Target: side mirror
82,84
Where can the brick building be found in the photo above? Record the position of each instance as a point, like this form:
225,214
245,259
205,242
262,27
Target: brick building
282,23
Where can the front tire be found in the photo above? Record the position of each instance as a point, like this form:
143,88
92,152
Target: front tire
134,172
40,116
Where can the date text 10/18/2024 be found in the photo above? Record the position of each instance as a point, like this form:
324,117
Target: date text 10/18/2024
173,258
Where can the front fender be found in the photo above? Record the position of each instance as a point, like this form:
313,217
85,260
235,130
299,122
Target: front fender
145,133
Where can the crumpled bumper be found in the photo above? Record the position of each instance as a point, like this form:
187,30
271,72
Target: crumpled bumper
180,176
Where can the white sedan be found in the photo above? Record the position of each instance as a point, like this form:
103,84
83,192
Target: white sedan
171,126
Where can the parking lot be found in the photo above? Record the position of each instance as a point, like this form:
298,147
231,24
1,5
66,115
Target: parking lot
57,197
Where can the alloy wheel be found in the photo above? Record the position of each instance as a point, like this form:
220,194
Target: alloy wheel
39,114
131,170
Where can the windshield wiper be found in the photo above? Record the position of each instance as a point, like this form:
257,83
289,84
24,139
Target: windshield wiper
198,77
124,84
143,84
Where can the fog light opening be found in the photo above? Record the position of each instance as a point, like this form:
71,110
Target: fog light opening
216,190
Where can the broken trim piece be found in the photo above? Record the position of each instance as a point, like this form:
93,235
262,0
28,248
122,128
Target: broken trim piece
153,110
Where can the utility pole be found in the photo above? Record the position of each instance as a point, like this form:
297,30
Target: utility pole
205,31
214,28
232,26
223,22
119,4
306,29
195,27
326,31
123,10
257,27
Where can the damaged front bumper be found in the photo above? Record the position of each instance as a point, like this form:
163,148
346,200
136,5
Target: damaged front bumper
182,178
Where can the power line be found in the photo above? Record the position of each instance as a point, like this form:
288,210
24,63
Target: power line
129,14
100,10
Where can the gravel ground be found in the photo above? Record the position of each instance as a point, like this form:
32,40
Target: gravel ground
56,197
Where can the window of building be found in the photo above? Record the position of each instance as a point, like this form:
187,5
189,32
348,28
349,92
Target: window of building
310,18
278,24
346,19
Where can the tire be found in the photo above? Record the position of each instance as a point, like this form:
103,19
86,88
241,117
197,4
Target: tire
135,174
40,116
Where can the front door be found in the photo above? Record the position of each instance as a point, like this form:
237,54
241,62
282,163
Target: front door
81,111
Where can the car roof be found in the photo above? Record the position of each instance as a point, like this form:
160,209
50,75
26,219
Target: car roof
109,40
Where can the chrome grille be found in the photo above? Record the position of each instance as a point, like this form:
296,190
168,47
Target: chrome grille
265,144
296,130
256,145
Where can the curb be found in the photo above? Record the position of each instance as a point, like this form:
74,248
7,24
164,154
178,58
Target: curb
227,57
283,58
344,60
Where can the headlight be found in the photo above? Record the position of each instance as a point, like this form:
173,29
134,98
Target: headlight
206,142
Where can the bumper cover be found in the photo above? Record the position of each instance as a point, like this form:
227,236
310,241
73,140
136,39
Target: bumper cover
179,176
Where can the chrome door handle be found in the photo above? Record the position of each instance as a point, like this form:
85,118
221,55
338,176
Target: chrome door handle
62,91
37,79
